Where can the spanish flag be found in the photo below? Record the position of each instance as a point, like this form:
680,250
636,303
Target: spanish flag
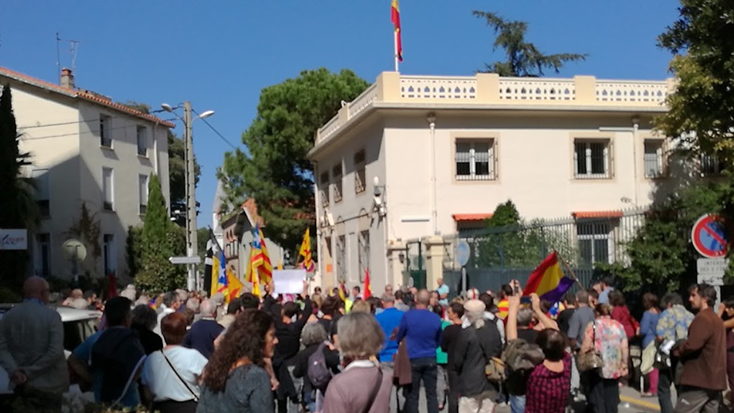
305,251
548,280
395,17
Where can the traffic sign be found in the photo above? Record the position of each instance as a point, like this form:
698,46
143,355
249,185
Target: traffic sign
463,252
712,266
185,260
710,236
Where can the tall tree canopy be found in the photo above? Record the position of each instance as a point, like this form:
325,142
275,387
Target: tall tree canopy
702,42
16,192
274,170
523,58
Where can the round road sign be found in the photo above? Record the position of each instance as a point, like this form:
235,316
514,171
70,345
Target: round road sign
462,253
710,236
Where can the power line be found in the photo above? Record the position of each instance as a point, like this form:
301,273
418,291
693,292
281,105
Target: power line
72,133
45,125
219,134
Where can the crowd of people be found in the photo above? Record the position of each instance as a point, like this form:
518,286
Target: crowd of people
336,352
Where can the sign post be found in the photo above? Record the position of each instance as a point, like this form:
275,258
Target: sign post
463,252
711,238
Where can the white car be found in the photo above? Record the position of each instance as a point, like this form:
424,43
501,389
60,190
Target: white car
78,326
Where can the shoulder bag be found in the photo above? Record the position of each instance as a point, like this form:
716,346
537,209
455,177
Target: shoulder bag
494,368
196,398
590,360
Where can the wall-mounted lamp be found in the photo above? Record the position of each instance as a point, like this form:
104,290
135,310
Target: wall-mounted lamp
379,202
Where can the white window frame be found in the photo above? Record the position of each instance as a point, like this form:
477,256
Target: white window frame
338,175
38,255
363,238
143,181
324,192
360,171
109,253
105,131
659,158
342,266
472,176
597,236
589,159
142,140
108,204
42,191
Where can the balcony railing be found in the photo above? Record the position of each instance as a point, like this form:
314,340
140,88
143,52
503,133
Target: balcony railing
491,89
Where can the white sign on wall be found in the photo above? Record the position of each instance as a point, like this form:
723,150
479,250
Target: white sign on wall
13,239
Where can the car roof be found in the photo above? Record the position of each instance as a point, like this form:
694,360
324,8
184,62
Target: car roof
68,314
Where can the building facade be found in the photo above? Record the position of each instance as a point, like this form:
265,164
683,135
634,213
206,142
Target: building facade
419,157
86,151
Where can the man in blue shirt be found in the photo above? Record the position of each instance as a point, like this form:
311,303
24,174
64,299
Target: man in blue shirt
389,320
606,287
443,293
422,330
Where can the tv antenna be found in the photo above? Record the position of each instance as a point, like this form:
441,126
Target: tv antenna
73,48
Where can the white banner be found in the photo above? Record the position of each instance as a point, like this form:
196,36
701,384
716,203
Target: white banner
13,239
289,281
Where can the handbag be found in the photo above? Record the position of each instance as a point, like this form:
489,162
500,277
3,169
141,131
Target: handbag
495,367
196,398
590,360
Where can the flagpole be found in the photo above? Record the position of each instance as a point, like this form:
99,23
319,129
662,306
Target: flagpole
395,45
570,271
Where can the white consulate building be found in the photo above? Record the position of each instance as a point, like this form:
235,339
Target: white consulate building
85,150
427,156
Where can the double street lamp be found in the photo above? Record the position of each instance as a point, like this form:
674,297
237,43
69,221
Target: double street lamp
193,281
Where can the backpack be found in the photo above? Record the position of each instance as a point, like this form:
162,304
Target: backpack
318,373
521,355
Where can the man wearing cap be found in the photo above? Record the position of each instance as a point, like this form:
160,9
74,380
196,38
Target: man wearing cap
475,346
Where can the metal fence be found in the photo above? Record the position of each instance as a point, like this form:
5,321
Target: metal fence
498,255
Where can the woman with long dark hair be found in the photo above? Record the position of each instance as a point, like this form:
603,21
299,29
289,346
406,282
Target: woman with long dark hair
235,379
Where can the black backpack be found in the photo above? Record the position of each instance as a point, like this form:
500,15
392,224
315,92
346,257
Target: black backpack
318,373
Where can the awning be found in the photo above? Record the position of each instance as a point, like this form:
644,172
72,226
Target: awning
471,217
596,214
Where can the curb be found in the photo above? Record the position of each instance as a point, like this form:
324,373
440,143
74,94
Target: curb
647,405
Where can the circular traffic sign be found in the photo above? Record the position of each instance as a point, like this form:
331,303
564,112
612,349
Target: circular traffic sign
710,236
463,252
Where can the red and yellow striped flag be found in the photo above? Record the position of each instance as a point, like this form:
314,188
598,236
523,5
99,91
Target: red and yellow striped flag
395,17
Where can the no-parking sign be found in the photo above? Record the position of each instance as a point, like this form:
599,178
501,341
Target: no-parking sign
710,236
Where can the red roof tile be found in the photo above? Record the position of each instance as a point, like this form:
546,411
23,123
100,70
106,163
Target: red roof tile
80,94
596,214
471,217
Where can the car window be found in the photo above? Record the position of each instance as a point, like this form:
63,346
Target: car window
75,332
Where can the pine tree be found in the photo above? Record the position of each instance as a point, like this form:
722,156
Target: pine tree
16,192
157,273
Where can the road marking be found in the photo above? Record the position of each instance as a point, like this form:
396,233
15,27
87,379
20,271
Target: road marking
634,401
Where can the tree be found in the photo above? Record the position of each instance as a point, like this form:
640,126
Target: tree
17,200
523,58
274,170
161,240
88,230
701,113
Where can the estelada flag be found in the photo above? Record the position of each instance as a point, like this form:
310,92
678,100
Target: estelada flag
305,251
395,17
548,280
367,293
251,275
261,261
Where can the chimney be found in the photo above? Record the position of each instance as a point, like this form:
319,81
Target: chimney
67,79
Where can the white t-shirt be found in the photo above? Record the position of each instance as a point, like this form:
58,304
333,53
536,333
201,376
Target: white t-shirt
162,381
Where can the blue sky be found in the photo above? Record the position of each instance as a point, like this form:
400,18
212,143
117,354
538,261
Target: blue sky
220,53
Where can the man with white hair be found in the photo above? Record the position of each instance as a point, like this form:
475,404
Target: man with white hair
202,334
475,346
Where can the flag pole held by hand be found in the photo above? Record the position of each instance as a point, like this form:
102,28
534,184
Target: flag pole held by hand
570,271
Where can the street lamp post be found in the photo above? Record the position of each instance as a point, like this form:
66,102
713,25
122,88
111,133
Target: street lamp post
193,281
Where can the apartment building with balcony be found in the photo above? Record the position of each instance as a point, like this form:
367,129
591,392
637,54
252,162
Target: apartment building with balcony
424,156
85,150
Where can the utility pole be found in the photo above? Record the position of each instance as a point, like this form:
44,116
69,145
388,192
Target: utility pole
192,282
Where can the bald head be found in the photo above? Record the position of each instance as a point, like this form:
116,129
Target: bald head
208,308
36,287
423,297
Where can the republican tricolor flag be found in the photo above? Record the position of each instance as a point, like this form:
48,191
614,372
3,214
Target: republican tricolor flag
548,280
395,17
